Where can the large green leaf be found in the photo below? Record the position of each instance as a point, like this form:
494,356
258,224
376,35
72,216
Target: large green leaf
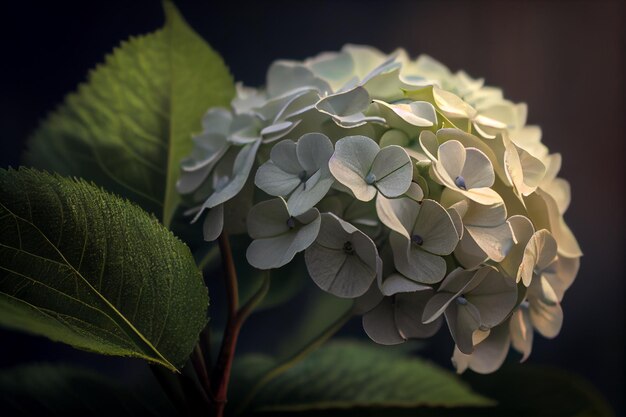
520,391
130,125
350,374
58,390
87,268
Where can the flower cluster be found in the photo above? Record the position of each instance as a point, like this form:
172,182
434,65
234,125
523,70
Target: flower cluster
419,192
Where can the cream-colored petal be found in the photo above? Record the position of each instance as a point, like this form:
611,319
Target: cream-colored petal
522,332
488,355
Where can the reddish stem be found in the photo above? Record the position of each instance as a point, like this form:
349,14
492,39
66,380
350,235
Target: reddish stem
236,317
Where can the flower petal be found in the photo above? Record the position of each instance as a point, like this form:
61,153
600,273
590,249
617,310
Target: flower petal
380,324
477,170
213,223
268,218
488,355
284,155
521,330
392,170
351,162
275,181
409,308
416,263
436,228
276,251
494,297
314,151
235,182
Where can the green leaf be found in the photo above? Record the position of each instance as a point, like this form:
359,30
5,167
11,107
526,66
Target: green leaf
43,390
130,125
521,390
83,267
351,374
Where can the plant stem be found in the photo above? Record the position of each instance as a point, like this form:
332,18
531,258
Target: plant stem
295,358
236,317
197,359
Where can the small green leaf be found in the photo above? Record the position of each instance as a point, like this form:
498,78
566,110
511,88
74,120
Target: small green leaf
351,374
45,390
130,125
89,269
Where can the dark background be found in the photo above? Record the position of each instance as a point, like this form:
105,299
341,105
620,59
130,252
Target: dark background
565,59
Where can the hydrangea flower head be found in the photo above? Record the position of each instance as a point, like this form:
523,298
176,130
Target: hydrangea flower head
421,189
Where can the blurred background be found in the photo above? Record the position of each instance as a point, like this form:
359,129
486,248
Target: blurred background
565,59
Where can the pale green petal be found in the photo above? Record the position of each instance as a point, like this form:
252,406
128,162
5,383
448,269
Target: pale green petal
430,144
213,223
284,155
235,182
417,113
398,214
217,120
345,103
415,192
284,76
268,218
275,181
277,130
451,158
539,252
435,226
392,171
343,261
351,162
393,137
314,151
277,251
416,263
309,193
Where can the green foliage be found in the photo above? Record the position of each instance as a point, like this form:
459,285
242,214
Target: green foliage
350,374
42,390
87,268
130,125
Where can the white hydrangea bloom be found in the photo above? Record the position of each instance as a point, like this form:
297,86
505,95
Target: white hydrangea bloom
419,191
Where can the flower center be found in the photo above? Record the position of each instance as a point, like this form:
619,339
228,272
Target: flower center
347,248
461,300
291,222
302,176
460,182
417,239
370,179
